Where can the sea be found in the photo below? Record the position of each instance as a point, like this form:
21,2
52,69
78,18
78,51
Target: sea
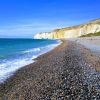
16,53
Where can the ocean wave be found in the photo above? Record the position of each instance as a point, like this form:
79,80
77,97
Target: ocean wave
31,50
8,67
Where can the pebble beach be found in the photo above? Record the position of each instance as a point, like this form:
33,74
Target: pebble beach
69,72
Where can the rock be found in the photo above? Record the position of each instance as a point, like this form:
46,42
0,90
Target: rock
71,32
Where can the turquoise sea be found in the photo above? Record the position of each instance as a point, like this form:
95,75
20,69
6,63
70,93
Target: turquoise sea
16,53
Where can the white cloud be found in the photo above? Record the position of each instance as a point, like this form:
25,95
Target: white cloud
23,30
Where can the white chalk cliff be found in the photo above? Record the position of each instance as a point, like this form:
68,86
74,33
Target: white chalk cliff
71,32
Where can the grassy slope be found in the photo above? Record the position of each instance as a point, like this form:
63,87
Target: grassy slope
91,34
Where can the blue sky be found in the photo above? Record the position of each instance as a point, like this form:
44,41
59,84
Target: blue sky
24,18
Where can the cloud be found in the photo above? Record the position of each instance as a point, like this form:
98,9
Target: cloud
25,29
28,30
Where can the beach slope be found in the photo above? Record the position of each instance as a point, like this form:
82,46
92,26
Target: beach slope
69,72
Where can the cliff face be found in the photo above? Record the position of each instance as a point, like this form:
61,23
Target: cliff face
71,32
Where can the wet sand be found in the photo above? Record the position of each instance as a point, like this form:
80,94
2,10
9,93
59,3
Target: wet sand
69,72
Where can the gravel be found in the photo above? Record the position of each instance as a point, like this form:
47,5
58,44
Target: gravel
69,72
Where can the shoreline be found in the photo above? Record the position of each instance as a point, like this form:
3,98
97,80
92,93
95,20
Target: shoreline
46,78
25,57
35,60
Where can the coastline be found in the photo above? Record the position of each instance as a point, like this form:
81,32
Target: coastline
23,53
61,73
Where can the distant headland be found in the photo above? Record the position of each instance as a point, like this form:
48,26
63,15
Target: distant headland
91,28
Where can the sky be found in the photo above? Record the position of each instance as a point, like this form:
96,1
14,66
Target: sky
24,18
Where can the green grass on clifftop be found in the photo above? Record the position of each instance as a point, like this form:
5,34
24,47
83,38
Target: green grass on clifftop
91,34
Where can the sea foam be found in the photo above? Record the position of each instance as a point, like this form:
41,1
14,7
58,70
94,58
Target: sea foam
8,67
